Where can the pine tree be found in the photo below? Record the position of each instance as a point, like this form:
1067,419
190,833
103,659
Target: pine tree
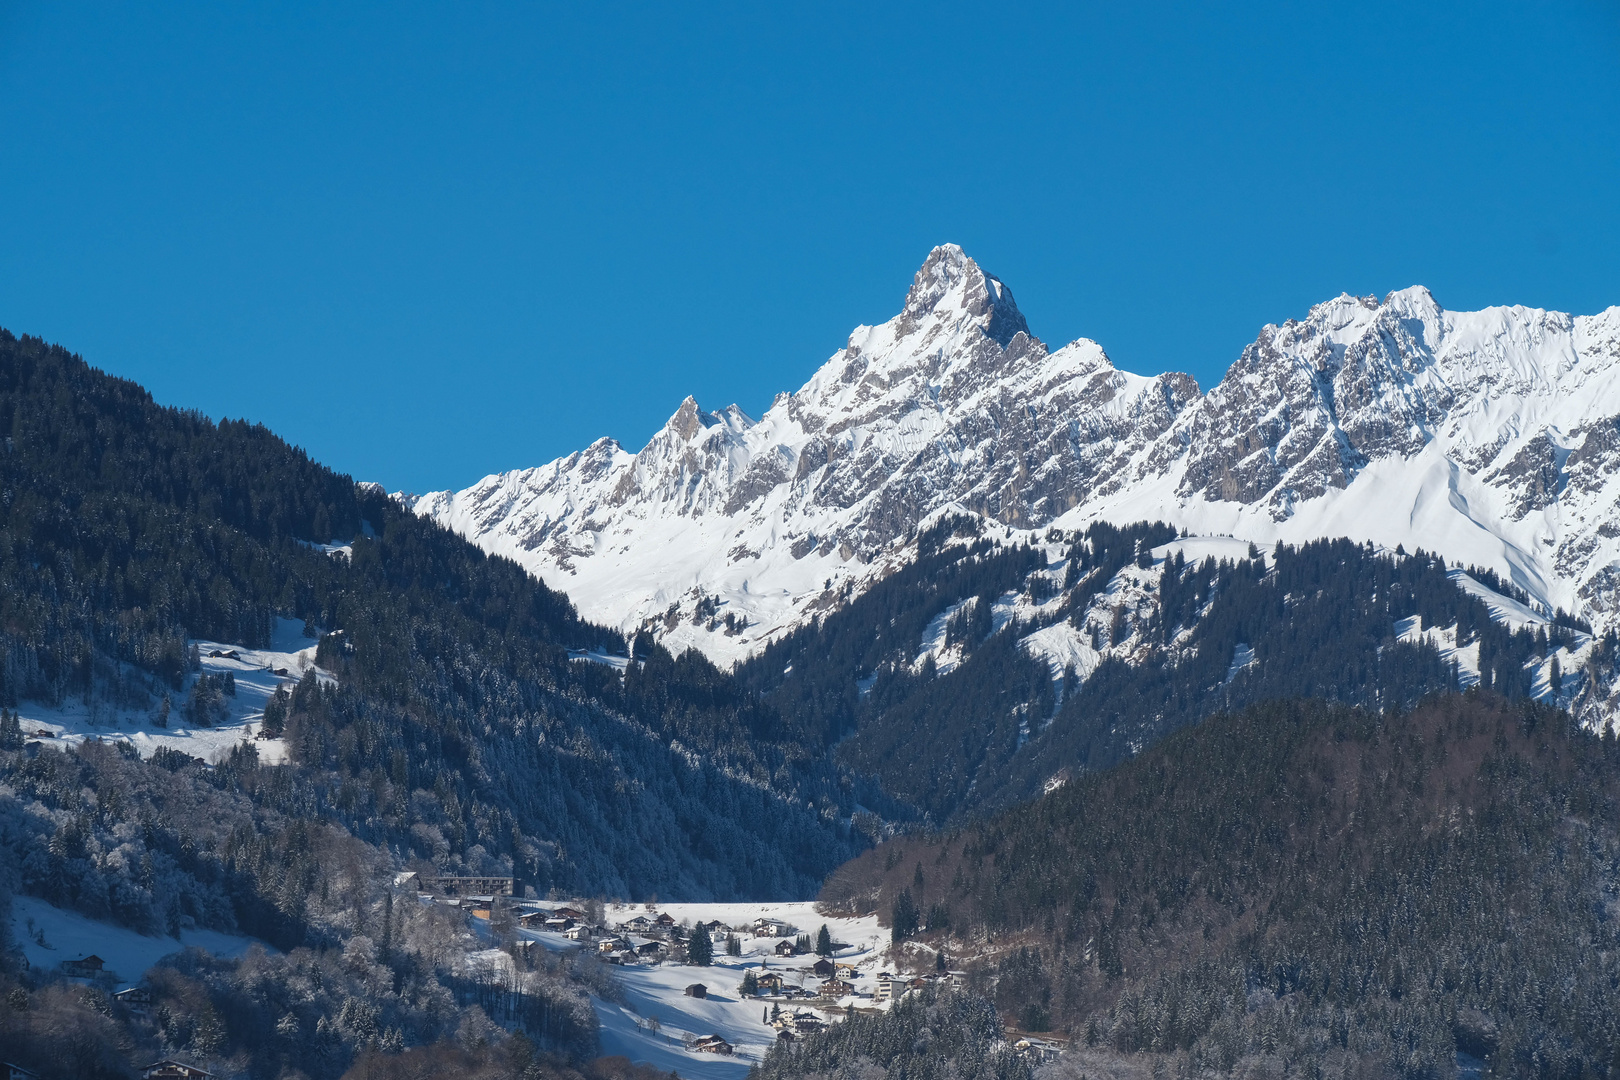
903,919
824,941
700,949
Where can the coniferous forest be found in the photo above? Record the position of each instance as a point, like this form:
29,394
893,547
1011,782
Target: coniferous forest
1299,888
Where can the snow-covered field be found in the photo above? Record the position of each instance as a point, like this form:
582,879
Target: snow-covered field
658,991
77,720
68,936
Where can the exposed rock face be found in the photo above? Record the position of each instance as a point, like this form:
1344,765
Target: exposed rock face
1490,436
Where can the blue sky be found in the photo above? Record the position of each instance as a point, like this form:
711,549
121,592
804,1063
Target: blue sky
432,242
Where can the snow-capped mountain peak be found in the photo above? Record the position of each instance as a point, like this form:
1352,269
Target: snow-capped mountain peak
1492,437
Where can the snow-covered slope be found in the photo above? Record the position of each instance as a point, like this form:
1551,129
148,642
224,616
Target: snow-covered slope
1492,437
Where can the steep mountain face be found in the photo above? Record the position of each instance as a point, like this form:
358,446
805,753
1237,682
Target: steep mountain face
1492,437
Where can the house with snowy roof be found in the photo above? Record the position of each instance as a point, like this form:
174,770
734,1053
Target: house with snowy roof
711,1044
169,1069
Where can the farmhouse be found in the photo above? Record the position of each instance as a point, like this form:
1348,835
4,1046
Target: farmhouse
137,999
84,967
824,968
169,1069
711,1044
786,947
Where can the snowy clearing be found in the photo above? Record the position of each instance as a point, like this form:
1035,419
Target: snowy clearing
257,672
69,936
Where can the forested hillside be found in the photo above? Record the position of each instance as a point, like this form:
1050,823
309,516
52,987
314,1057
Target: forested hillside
1299,887
1169,640
167,844
459,731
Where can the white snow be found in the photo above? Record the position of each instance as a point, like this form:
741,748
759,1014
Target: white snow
69,935
77,720
658,990
1242,657
946,657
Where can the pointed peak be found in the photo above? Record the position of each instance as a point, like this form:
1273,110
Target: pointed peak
691,419
687,420
950,280
1415,301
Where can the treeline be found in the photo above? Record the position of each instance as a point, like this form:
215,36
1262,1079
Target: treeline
460,732
1301,887
1317,620
923,738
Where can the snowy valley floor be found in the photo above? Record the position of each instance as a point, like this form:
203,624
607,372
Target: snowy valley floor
658,991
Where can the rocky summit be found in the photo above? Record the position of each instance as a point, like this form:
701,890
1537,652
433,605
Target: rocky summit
1489,437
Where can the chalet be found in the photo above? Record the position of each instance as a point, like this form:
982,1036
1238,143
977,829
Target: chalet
84,967
169,1069
715,926
711,1044
665,920
559,926
697,990
532,920
769,983
786,1036
578,932
847,969
786,947
1037,1051
824,968
569,913
611,944
808,1023
638,925
834,988
137,999
770,928
649,948
8,1071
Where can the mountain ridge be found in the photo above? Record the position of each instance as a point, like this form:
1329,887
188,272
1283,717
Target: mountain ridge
1493,433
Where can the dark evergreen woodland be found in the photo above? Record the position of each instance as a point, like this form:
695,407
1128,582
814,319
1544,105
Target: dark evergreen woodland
1301,889
460,731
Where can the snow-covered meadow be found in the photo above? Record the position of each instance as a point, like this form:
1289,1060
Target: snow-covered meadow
255,671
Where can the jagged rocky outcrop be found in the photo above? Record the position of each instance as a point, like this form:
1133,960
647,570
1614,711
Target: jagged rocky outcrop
1492,437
